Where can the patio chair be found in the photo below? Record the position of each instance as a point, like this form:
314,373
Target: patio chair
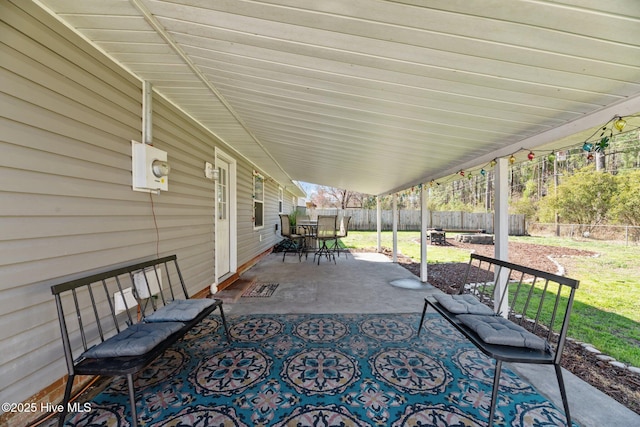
292,242
325,232
342,232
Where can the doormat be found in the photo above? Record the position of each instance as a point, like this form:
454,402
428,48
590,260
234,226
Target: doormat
260,290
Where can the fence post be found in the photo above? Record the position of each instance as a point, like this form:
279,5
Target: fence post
626,234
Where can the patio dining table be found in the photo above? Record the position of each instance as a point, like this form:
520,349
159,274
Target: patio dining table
308,228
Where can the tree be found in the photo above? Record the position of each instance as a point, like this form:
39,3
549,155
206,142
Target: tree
321,198
526,204
331,197
584,197
626,208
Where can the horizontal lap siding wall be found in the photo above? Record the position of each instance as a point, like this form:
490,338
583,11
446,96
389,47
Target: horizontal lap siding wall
252,241
67,118
65,199
269,235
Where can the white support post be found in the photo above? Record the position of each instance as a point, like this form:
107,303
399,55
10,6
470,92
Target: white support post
379,223
423,234
501,227
395,227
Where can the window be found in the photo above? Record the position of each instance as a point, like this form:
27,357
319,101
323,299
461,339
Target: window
280,200
223,193
258,200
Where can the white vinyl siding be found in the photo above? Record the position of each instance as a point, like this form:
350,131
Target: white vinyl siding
67,116
65,200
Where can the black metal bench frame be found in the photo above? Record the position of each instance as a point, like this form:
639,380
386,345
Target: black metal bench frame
531,292
87,316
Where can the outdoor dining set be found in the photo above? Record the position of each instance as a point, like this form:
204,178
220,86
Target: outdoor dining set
319,236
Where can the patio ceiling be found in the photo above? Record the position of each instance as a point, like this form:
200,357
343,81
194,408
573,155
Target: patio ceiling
376,96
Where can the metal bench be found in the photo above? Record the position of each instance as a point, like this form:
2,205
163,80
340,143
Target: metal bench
116,322
511,313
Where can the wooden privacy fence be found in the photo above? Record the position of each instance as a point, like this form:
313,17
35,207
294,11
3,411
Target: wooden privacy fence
409,220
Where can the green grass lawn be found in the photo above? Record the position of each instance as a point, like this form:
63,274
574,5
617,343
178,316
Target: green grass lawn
606,312
408,244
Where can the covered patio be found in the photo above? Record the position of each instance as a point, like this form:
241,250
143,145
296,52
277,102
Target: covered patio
242,100
357,287
380,96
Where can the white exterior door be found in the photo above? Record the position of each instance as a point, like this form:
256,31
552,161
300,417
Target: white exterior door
225,238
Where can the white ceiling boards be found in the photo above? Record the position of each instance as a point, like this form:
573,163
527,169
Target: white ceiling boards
376,96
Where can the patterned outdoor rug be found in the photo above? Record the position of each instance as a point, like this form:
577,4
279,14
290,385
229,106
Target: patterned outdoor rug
322,370
260,290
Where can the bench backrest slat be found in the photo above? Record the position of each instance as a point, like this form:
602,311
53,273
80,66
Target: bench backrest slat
565,326
112,309
184,287
79,317
556,305
517,295
484,292
541,305
157,276
95,312
171,284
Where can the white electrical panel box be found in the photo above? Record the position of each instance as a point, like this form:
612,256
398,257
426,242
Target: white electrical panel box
149,286
124,300
150,168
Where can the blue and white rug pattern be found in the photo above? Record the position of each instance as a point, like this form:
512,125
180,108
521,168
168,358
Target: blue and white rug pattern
322,370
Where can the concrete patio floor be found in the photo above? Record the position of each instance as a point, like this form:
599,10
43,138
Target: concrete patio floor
360,283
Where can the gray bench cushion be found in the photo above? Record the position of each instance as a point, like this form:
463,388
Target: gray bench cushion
137,339
498,330
180,310
462,304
